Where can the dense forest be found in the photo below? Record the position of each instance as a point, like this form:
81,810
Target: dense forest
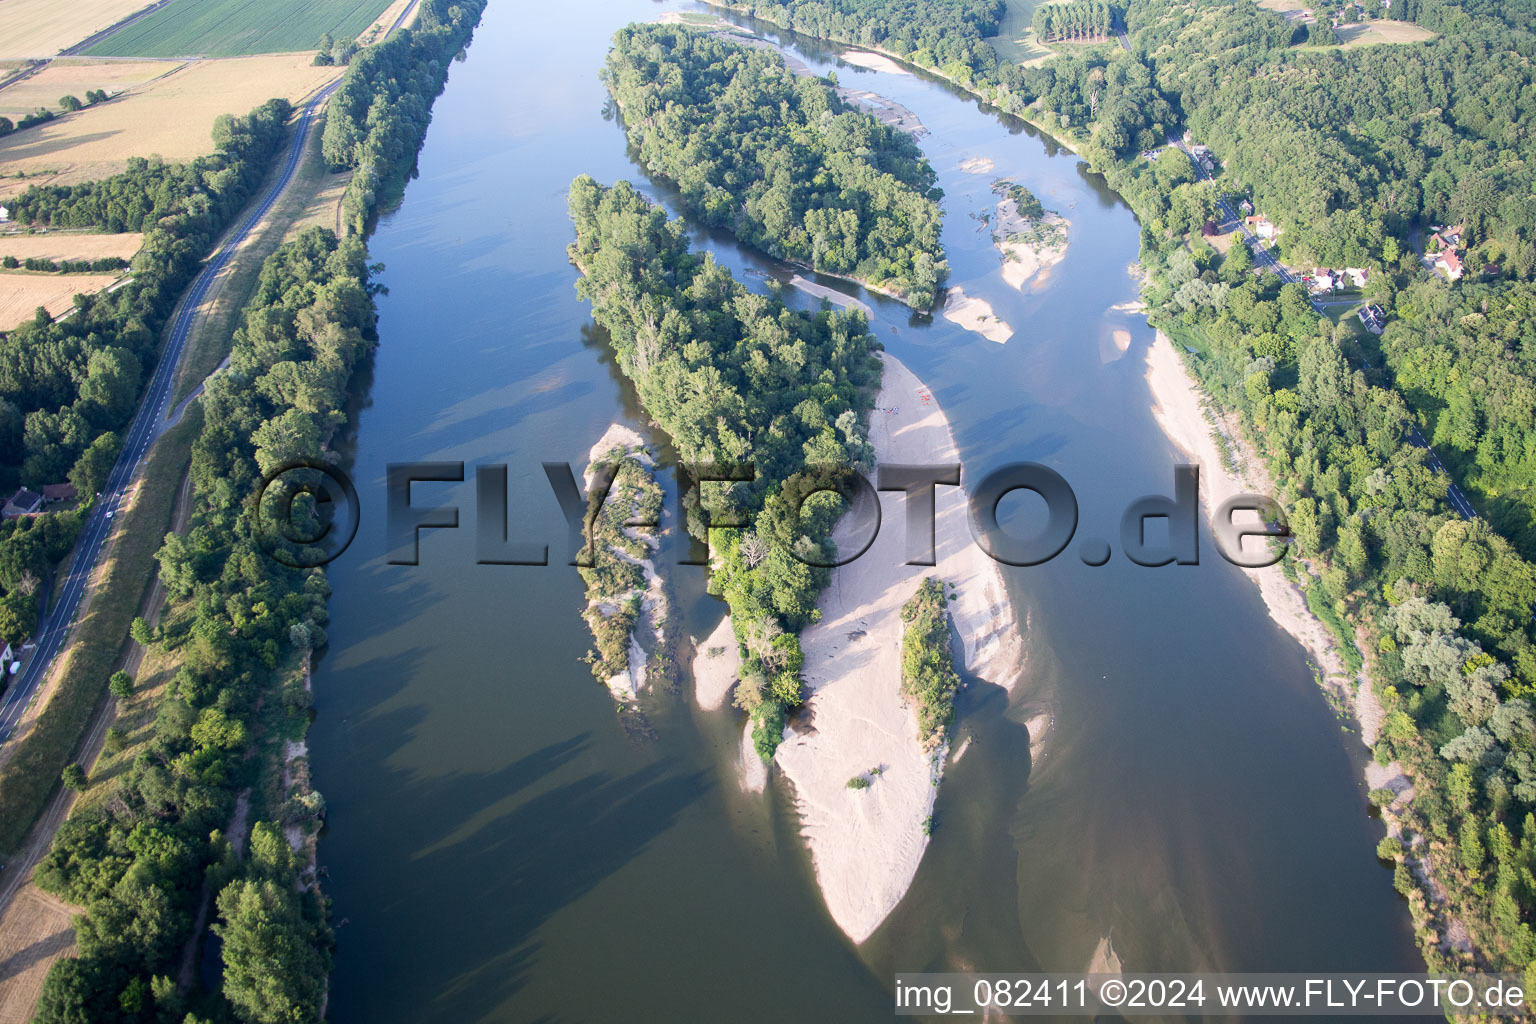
947,35
1353,153
779,159
378,118
239,622
735,378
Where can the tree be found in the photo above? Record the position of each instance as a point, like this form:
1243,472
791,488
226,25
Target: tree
141,632
73,776
91,470
70,103
273,972
121,685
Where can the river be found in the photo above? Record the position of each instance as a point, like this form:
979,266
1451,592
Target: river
500,847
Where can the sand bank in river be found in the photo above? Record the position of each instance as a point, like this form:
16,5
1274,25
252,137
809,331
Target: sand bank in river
1180,411
832,295
716,662
866,844
619,441
975,314
884,110
1030,248
873,61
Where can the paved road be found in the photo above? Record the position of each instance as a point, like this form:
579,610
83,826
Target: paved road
148,424
1265,259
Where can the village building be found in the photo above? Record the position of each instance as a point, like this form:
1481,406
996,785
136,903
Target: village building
22,503
1449,263
1261,227
55,493
1358,276
1373,318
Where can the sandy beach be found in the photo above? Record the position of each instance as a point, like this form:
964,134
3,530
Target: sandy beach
975,314
1180,411
716,662
832,295
873,61
866,844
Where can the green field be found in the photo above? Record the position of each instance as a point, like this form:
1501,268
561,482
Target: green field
238,28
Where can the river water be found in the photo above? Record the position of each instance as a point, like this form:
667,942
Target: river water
501,847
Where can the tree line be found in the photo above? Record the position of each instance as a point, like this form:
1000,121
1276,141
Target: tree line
735,377
1075,21
779,159
241,625
377,120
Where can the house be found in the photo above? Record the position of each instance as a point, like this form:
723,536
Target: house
5,213
55,493
1246,207
1449,238
1260,226
1374,318
1357,275
1449,262
1323,281
22,503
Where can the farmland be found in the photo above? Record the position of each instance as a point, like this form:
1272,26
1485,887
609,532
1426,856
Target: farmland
34,930
73,76
233,28
59,245
21,293
41,28
171,116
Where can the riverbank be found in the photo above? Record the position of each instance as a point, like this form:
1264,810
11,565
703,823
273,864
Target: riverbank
1182,410
866,843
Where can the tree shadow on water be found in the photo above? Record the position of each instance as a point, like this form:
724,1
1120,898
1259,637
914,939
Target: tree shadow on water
481,886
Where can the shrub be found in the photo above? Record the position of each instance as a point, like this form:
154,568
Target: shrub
858,782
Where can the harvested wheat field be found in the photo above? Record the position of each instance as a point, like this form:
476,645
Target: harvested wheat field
56,246
41,28
77,76
171,116
21,293
35,931
1383,31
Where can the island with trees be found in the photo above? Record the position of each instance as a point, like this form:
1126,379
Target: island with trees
735,378
779,159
